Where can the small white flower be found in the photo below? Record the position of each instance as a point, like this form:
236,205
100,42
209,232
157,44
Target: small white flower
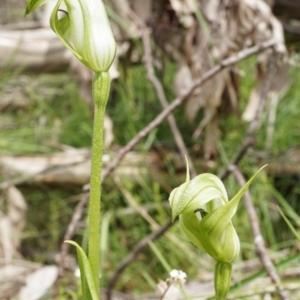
178,276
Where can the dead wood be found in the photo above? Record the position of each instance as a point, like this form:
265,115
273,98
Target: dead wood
36,50
74,169
12,224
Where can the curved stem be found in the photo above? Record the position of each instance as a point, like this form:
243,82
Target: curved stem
101,86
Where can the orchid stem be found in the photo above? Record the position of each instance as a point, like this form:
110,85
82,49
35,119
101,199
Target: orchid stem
101,86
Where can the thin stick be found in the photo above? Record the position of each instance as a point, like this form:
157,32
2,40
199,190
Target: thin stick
148,61
258,238
179,100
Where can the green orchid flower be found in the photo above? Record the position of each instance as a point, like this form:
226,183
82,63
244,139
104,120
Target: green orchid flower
85,30
205,215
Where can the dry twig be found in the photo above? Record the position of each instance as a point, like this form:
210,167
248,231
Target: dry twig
258,238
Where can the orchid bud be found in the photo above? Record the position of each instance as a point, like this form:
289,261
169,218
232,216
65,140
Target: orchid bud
85,30
205,215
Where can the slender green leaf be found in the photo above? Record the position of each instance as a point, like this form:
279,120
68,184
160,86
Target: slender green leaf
292,228
160,256
289,210
151,282
90,291
84,284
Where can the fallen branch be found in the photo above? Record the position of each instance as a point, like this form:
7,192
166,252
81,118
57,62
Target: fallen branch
74,170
